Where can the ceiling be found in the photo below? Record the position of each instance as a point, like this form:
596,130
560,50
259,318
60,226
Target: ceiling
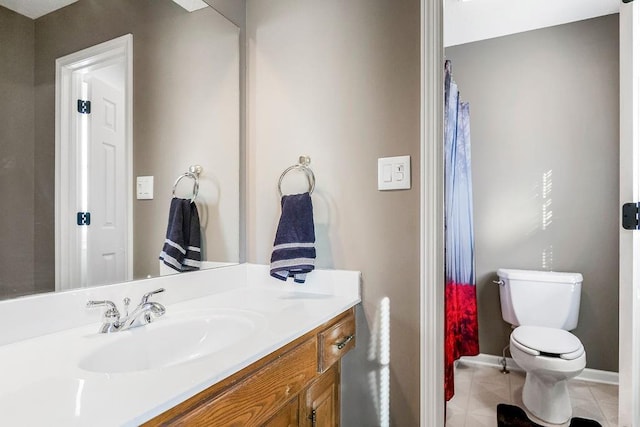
36,8
467,21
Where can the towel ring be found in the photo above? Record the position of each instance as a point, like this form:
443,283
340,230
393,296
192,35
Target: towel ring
303,165
194,173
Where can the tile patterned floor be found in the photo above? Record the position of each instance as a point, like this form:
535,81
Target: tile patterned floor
479,389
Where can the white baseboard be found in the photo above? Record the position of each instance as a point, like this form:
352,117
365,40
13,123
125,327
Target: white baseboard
593,375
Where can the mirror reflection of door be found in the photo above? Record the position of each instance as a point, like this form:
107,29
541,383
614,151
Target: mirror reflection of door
106,181
94,153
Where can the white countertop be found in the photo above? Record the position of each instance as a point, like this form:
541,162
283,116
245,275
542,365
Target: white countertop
41,383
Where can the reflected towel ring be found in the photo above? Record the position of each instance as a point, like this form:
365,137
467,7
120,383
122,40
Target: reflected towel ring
194,173
303,165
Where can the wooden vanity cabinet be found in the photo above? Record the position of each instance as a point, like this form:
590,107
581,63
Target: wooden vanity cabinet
287,416
296,385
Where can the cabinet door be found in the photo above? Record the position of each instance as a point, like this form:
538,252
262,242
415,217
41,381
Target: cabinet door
320,403
285,417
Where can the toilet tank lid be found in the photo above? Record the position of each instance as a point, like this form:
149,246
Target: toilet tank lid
539,276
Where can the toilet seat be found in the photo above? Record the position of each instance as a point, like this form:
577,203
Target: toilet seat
543,341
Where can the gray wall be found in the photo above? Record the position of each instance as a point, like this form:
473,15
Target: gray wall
544,137
339,81
236,12
16,154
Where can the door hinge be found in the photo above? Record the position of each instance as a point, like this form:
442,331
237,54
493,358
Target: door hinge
630,215
83,218
84,106
312,417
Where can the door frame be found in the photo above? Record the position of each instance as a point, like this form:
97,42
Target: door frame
67,67
629,280
432,228
432,214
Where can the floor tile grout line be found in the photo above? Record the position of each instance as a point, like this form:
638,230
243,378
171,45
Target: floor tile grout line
595,399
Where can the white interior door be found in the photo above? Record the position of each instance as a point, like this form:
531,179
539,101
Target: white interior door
629,362
107,182
94,165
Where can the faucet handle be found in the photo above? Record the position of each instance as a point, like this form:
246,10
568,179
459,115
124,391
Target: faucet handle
111,312
146,296
126,303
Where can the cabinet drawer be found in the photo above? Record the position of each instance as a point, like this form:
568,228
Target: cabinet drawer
335,341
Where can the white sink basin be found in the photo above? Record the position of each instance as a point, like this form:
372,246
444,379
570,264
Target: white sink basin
171,340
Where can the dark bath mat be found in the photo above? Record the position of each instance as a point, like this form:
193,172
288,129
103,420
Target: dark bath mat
512,416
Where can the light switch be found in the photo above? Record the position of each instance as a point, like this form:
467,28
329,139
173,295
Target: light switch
386,173
144,187
394,173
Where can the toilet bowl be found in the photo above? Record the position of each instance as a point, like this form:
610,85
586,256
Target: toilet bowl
543,306
550,358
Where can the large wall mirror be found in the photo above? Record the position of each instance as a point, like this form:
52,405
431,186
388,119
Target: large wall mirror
184,111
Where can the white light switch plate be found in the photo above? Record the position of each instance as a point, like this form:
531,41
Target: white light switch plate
394,173
144,187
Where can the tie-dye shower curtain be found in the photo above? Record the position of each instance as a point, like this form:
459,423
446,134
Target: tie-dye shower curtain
461,315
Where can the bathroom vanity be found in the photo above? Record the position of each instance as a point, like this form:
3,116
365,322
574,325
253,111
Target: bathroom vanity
235,347
296,385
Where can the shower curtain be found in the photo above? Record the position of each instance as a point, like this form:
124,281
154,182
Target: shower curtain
461,316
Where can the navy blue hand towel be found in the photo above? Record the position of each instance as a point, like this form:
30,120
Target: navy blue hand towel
181,249
294,251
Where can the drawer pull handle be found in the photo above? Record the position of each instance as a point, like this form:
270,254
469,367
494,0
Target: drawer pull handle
343,343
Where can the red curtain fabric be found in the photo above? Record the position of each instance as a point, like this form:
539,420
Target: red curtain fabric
461,328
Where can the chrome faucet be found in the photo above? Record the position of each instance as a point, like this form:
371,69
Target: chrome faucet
143,314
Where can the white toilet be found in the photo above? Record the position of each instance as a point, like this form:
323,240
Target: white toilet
543,306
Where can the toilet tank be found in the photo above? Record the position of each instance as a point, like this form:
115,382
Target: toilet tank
540,298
